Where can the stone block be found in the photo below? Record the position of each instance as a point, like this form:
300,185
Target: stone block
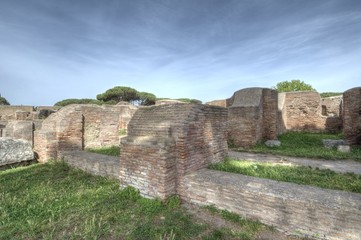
272,143
344,148
15,151
330,143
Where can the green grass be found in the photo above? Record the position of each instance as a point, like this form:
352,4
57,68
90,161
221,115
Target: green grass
111,151
299,144
295,174
54,201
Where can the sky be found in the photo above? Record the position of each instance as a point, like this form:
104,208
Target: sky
51,50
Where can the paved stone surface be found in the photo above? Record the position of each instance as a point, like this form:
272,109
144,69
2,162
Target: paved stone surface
341,166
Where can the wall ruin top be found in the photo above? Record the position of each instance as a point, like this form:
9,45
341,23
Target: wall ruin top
166,142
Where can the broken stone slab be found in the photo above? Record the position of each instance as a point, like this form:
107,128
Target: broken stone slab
330,143
344,148
273,143
15,151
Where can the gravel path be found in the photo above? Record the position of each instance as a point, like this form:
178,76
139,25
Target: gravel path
341,166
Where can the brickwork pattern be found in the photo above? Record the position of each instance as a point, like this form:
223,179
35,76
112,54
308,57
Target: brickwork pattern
289,207
252,116
166,142
76,127
352,116
302,111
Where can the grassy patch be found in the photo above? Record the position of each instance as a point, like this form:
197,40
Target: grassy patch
111,151
295,174
249,227
298,144
54,201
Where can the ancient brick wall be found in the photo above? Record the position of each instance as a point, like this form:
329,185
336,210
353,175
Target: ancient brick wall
302,111
352,116
76,127
219,103
12,112
252,116
332,106
293,208
166,142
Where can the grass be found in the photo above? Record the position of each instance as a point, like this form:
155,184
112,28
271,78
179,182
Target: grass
295,174
54,201
300,144
111,151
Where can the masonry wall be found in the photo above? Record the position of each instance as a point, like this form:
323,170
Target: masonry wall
8,112
289,207
76,127
352,116
166,142
302,111
252,116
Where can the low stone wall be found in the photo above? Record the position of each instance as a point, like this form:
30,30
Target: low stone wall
98,164
289,207
9,112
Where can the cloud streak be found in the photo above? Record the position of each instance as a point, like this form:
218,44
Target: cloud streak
205,49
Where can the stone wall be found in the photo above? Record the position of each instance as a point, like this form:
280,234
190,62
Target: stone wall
9,112
294,208
98,164
219,103
302,111
332,106
252,116
166,142
76,127
352,116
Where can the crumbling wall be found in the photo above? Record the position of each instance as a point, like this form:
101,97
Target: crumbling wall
219,103
9,112
166,142
352,116
332,106
76,127
252,116
302,111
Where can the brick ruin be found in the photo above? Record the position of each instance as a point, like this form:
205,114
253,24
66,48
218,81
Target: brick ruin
166,142
76,127
305,111
252,116
351,116
256,114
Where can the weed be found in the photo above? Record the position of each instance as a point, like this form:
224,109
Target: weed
295,174
111,151
301,144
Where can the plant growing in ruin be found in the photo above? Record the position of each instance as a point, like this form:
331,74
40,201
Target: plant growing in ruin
293,86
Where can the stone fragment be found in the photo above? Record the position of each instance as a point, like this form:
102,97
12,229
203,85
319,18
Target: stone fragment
14,151
330,143
273,143
343,148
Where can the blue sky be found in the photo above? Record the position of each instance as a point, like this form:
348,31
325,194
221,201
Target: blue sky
52,50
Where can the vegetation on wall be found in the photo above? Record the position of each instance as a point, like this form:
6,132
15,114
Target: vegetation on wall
185,100
69,101
3,101
330,94
293,86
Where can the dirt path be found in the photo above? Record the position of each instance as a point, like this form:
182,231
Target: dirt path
341,166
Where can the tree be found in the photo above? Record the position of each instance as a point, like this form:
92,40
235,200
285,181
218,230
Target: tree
3,101
69,101
330,94
119,93
146,99
293,86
